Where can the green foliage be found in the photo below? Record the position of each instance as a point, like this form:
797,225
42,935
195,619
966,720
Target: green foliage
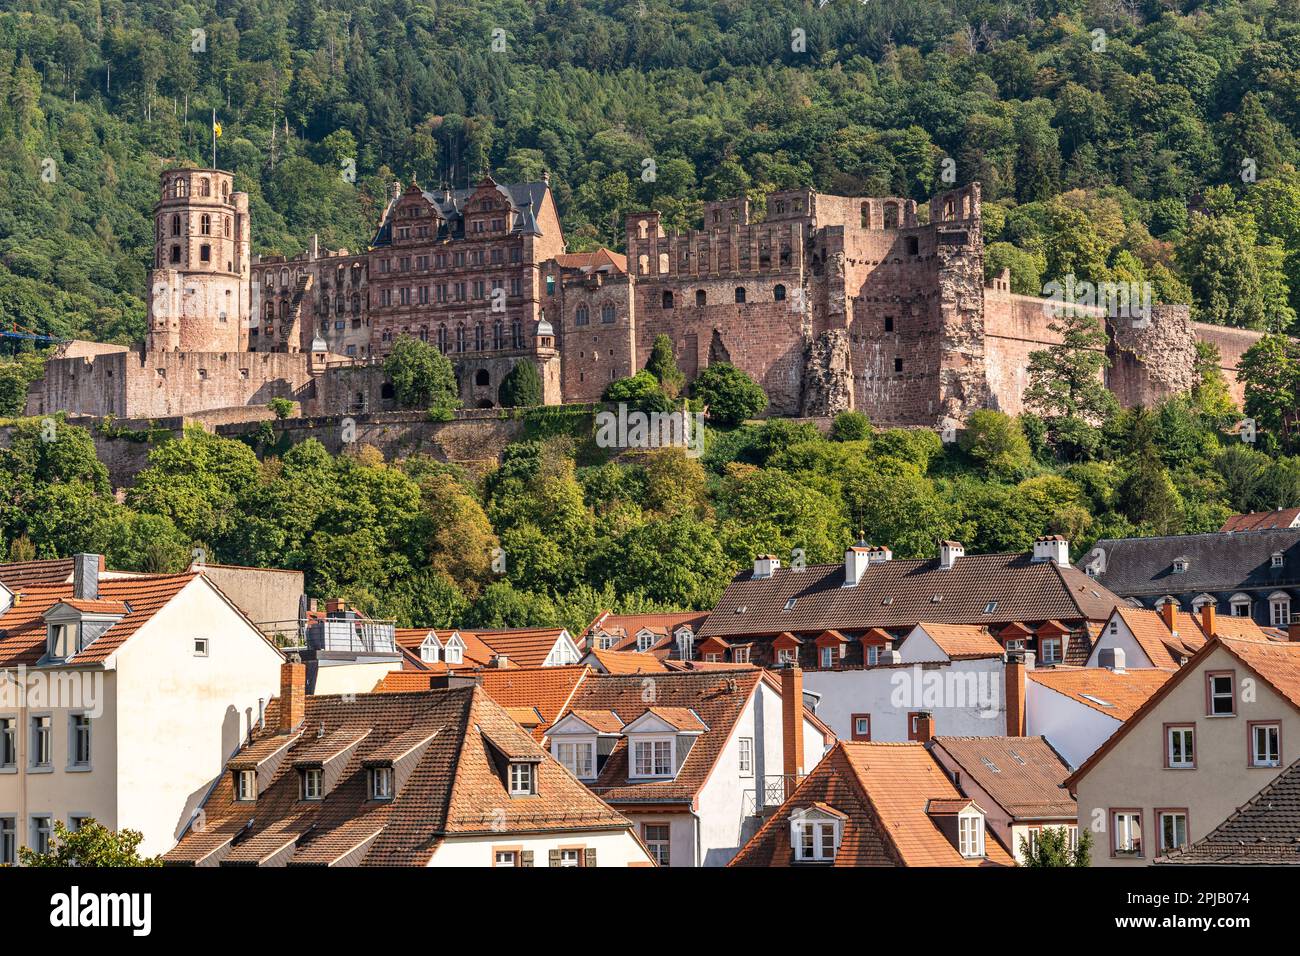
662,364
91,845
641,391
997,444
1066,387
522,387
282,407
850,426
1052,848
422,376
729,395
15,375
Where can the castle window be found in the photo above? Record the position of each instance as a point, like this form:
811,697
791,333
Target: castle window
284,310
780,209
891,215
866,215
580,316
205,253
205,224
701,298
356,305
778,293
176,254
498,334
481,377
898,365
889,323
176,225
478,338
442,338
205,186
516,334
668,300
740,294
460,338
227,219
912,245
607,314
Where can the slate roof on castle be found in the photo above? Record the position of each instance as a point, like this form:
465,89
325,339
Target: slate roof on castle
452,740
1217,561
524,198
1264,832
900,593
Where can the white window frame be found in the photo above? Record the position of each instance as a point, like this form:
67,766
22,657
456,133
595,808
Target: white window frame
505,858
523,779
64,635
570,857
1279,610
828,656
740,654
660,849
745,757
381,783
1275,729
1215,695
430,648
453,652
1279,559
246,786
787,655
8,839
1187,759
1240,606
9,742
41,834
201,645
1055,644
685,645
1160,828
1123,825
970,834
815,838
583,769
873,655
645,640
653,745
313,783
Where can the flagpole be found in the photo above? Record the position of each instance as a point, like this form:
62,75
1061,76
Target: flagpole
214,137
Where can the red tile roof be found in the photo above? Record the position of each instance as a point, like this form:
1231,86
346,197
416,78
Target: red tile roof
476,652
454,788
887,792
1023,774
628,662
1262,520
1098,687
525,646
961,641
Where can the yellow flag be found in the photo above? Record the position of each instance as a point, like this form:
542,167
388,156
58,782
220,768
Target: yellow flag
216,128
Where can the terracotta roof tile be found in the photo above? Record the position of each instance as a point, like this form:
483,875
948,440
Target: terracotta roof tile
629,662
1262,520
962,641
1023,774
1098,687
525,646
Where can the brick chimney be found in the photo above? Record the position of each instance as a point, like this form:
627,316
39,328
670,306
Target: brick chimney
293,694
1015,679
1207,620
1168,610
792,723
85,576
924,727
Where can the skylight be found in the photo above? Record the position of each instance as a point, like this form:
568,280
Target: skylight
990,607
990,764
789,605
1018,759
1097,700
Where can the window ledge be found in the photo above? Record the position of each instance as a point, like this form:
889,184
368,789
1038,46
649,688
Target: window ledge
78,768
46,769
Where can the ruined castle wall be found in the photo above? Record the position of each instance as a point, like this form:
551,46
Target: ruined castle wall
1014,327
89,385
597,352
1232,345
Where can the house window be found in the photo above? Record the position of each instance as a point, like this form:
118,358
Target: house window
79,740
8,743
523,781
1278,559
381,783
1219,696
1180,747
787,655
8,841
62,641
746,759
645,641
873,655
970,835
41,742
506,858
578,757
828,657
816,841
1173,829
570,858
1180,565
1126,830
861,726
1240,607
200,647
655,836
1266,745
246,785
42,830
1051,650
740,655
453,653
311,783
653,758
1279,610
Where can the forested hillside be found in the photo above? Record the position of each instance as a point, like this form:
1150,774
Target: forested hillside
1092,125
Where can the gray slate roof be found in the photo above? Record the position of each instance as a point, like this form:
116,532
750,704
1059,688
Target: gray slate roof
525,201
1216,562
902,593
1265,832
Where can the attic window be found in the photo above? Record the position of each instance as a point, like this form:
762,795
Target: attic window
1018,759
1278,559
887,601
523,779
381,783
970,835
1180,565
789,605
937,599
1097,700
990,607
741,610
246,785
312,783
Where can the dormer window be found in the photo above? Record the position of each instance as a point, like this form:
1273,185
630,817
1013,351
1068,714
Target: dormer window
453,652
1278,559
1180,565
430,649
578,756
644,641
653,758
685,645
246,785
970,834
787,655
815,834
62,639
313,784
523,779
381,783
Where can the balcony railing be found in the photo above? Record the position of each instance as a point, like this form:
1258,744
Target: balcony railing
354,635
770,791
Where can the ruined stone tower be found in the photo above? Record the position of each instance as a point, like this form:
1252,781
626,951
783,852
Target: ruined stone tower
199,285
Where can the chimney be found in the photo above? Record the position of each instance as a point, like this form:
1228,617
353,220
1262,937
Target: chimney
1207,619
792,724
293,694
1015,678
880,554
500,660
949,552
1168,610
1052,547
924,727
856,559
1112,658
85,576
765,565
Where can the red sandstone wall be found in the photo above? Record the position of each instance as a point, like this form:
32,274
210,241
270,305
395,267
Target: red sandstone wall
1232,344
1014,326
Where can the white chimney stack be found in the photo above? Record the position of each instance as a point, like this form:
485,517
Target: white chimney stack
1052,547
949,552
765,565
881,553
856,559
1111,658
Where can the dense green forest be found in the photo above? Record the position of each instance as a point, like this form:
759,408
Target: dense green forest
1094,126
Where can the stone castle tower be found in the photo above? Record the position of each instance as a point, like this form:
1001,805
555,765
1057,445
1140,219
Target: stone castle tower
199,286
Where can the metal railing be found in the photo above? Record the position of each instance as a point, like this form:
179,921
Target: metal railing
352,634
770,791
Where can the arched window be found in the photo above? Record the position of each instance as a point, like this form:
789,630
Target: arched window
338,306
498,334
269,312
517,334
481,377
227,218
325,305
668,300
778,293
663,262
284,310
891,215
866,215
356,304
205,186
478,337
176,225
284,278
580,316
701,298
225,191
460,338
442,339
607,314
740,293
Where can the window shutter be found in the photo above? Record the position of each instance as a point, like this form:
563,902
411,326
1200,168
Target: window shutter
589,856
555,858
525,857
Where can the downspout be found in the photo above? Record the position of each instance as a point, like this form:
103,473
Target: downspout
696,817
